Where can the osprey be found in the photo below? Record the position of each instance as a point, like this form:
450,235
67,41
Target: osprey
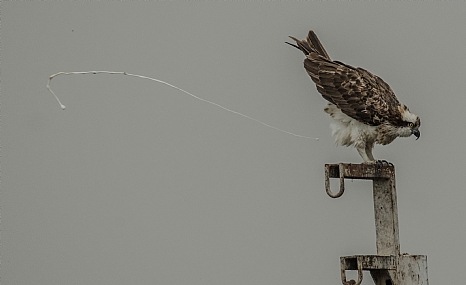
364,108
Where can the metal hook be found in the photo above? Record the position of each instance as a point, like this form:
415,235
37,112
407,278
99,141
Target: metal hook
342,181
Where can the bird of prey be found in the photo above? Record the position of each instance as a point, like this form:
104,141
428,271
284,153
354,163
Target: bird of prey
364,108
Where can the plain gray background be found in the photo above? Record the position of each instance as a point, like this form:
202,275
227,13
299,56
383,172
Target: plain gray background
138,183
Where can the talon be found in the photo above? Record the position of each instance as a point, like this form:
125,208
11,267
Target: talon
383,162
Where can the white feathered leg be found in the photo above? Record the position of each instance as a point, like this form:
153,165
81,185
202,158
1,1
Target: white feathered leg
365,157
369,149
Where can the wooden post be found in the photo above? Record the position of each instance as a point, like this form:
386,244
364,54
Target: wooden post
386,216
388,267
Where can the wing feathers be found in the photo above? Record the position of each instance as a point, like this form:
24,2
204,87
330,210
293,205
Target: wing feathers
355,91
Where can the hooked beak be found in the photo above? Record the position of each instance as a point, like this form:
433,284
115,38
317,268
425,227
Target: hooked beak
416,133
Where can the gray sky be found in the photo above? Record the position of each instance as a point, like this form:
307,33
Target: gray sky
138,183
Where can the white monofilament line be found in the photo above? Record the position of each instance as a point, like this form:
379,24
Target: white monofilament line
172,86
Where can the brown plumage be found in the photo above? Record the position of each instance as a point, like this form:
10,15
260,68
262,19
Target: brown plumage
355,91
365,109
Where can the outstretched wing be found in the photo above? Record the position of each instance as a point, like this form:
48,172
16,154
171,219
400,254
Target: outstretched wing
355,91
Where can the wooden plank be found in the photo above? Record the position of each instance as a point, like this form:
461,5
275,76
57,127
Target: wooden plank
412,270
368,262
361,171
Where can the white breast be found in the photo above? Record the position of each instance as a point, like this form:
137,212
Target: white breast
348,131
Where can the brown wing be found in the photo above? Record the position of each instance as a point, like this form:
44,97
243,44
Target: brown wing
355,91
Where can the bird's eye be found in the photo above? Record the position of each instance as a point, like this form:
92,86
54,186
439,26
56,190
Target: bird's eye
411,125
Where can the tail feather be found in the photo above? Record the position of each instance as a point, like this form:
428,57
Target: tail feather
314,41
303,46
310,45
293,45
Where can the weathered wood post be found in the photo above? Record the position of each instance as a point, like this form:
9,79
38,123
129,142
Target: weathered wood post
388,267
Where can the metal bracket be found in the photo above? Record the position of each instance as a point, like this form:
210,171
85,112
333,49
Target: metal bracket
344,266
355,171
386,269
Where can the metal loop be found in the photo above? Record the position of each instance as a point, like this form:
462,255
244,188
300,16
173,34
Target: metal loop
342,181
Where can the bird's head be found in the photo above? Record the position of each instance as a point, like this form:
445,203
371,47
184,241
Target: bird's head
410,123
